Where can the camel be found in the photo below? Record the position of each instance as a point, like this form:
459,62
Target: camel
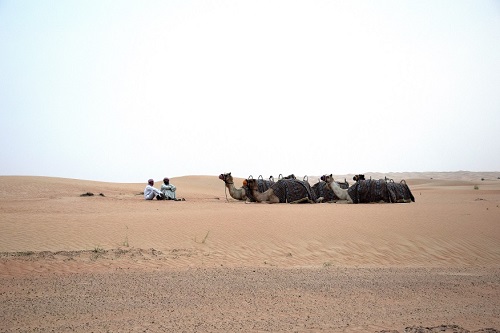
321,189
369,191
262,186
341,193
363,191
243,193
235,193
284,190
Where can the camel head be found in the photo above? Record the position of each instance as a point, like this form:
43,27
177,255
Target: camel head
291,176
358,177
327,178
252,184
226,177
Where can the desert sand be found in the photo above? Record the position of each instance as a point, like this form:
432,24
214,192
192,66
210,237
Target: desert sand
113,262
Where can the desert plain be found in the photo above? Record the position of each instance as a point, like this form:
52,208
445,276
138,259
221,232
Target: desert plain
113,262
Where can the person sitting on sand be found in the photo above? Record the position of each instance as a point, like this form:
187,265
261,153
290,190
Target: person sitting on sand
168,190
150,192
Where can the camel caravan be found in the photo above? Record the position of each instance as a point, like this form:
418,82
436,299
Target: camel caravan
292,190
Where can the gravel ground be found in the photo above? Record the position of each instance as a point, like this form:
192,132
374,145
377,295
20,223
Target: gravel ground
223,299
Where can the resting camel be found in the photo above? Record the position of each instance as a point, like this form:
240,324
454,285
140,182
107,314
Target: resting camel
367,191
244,193
235,193
321,189
284,190
262,186
341,193
363,191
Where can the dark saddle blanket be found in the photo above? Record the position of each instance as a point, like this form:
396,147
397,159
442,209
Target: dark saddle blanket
371,190
399,192
290,190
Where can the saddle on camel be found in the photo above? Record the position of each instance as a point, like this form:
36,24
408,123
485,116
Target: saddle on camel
284,191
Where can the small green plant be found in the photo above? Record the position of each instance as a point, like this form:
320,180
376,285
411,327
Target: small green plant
97,252
327,264
476,187
98,249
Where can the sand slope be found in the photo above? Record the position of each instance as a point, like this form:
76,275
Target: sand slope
451,224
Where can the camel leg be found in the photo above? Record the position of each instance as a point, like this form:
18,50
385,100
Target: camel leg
320,199
272,200
300,200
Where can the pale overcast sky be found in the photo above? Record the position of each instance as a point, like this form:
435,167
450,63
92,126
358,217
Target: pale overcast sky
123,91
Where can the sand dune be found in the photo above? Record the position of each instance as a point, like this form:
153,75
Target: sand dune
448,240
